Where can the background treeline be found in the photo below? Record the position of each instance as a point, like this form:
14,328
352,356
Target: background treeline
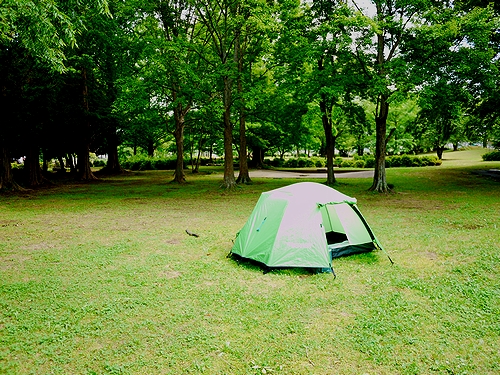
257,79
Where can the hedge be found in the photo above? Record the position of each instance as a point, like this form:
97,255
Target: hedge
492,156
137,163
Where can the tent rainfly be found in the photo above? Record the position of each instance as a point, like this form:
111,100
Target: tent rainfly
304,225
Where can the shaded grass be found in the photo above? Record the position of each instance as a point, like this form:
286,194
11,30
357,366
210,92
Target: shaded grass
102,279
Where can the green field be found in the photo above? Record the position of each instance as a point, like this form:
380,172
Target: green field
101,278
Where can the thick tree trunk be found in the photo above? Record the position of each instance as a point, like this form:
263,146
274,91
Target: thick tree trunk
330,151
244,174
32,169
379,177
196,167
84,170
330,143
327,127
440,151
113,164
151,148
179,176
83,167
229,181
6,178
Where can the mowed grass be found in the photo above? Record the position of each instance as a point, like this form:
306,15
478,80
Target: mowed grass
101,278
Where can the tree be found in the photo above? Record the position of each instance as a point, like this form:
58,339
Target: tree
383,66
43,31
316,52
454,62
223,26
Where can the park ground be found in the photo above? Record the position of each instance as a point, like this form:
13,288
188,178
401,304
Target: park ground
101,278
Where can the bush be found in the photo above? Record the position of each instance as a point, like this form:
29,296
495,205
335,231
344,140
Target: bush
369,161
430,161
360,163
96,163
492,156
141,163
347,163
277,162
291,163
338,161
319,163
406,161
305,163
411,161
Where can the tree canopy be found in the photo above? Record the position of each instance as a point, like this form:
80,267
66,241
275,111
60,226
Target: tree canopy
252,78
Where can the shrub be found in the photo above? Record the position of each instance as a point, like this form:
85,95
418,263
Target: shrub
140,162
369,161
406,161
492,156
305,162
291,163
278,162
96,163
360,163
347,163
338,161
162,164
319,163
393,161
430,161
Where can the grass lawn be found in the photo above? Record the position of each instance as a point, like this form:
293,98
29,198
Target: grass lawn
101,278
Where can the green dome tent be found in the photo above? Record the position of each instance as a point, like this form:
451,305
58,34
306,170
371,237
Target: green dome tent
304,225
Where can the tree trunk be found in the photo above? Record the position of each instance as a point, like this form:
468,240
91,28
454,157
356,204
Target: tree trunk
196,168
330,143
361,148
328,128
244,175
229,181
440,151
151,148
70,162
62,167
6,178
258,157
379,177
113,164
83,167
179,176
84,170
32,169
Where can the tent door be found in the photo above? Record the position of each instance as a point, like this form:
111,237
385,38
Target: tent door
334,231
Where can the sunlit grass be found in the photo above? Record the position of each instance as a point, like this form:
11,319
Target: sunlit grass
101,278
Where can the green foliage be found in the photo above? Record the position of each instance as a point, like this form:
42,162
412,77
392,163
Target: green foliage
98,163
412,161
142,163
291,163
368,161
492,156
